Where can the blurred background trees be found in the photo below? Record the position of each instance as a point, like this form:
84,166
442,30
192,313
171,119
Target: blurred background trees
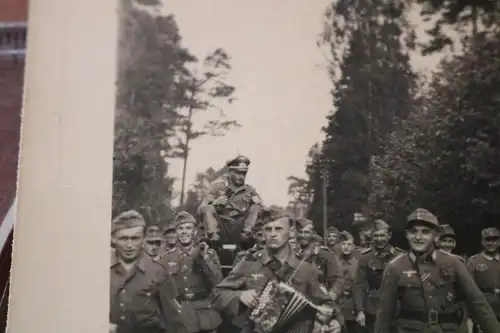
395,141
160,87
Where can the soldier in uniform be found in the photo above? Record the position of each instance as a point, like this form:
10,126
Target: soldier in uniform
485,268
194,270
132,275
421,289
447,239
328,264
369,272
332,238
259,243
238,294
153,241
231,207
170,237
349,264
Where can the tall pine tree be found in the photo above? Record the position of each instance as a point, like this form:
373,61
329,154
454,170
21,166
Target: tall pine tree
373,87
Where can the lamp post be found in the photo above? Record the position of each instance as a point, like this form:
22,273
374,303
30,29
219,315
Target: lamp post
324,163
325,204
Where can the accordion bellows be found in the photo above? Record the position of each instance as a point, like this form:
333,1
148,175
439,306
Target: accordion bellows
282,309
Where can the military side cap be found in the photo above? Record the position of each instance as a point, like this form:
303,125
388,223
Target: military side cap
271,214
169,227
127,220
490,233
183,217
345,236
332,230
447,231
380,225
301,223
423,215
153,233
239,163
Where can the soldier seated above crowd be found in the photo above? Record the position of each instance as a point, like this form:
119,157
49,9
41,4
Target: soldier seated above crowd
230,209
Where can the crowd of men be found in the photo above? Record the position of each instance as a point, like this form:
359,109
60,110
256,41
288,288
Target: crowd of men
171,279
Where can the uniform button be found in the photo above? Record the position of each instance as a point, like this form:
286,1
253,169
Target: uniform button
122,305
122,317
185,278
186,289
430,296
123,291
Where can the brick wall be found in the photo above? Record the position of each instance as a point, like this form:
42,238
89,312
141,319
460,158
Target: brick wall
11,87
13,10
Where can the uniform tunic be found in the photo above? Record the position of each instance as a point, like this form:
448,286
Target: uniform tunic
254,272
231,217
366,288
446,283
131,306
485,270
193,279
329,267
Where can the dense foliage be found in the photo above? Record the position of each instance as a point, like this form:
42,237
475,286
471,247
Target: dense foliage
158,90
393,144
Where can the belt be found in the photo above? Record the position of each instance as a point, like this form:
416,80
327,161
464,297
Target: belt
191,297
433,317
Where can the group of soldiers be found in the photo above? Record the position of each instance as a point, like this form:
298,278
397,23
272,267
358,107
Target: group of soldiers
171,279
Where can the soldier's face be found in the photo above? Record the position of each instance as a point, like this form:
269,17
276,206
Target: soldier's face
305,235
128,243
380,238
420,238
277,233
152,247
347,246
259,238
491,244
332,238
238,177
171,237
185,233
447,244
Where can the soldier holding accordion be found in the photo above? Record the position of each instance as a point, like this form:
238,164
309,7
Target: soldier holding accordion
258,292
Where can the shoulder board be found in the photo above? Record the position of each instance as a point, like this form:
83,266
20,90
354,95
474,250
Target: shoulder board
211,251
365,251
253,256
474,256
397,257
326,248
399,250
250,188
447,254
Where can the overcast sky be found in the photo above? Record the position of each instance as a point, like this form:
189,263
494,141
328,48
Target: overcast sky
281,85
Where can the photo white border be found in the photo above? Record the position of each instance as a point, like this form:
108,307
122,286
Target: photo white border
60,273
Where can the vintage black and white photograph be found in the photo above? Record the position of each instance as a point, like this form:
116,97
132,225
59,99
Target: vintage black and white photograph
292,166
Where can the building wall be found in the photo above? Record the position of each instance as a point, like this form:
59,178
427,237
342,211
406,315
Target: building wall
13,10
11,94
11,87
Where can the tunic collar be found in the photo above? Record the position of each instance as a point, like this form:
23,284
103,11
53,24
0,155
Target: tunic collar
491,257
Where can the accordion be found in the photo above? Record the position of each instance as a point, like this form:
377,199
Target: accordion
282,309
